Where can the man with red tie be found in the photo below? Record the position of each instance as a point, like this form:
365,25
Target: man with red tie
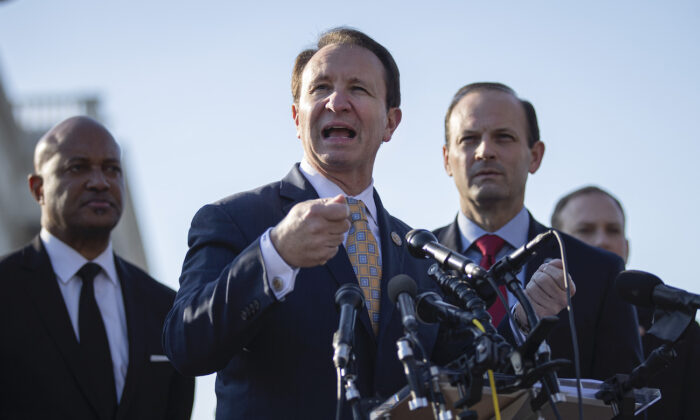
492,144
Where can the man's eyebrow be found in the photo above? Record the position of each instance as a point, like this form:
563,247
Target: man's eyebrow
468,131
357,80
505,129
77,159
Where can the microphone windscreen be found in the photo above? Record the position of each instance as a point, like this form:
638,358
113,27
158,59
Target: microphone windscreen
416,240
349,293
401,283
636,287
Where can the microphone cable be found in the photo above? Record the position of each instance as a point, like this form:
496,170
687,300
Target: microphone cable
340,397
572,326
502,299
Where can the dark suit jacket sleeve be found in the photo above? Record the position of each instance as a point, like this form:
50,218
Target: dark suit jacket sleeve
223,292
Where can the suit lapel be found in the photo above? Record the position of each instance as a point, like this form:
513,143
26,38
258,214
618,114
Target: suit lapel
295,188
451,238
41,285
135,332
392,262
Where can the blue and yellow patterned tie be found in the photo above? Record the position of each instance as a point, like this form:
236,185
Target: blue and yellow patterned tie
364,257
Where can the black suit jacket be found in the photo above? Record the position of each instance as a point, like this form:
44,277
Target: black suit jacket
42,375
606,327
274,358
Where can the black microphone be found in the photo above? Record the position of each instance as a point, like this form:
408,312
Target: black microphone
471,297
430,309
514,262
348,299
647,290
423,244
402,290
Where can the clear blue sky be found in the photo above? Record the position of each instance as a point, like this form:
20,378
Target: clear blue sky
198,95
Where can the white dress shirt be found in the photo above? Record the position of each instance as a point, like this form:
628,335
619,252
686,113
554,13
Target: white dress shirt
66,263
278,271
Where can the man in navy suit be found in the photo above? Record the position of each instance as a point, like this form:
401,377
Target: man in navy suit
492,144
78,345
256,302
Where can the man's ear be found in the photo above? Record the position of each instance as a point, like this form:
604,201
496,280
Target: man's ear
36,187
393,118
536,152
295,117
446,159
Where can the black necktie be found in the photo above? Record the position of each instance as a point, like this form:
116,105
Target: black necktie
94,345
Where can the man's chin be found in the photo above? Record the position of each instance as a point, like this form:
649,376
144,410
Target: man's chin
96,226
488,194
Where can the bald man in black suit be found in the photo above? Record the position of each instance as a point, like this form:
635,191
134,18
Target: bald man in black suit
76,347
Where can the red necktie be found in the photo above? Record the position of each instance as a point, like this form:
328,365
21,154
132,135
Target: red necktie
489,245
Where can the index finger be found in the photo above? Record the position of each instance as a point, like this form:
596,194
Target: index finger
335,211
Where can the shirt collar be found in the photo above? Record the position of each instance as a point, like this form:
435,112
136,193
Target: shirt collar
514,232
66,261
326,188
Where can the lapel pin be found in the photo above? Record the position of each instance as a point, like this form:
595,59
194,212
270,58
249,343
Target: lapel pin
396,238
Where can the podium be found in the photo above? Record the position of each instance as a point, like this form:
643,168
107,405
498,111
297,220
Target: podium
517,404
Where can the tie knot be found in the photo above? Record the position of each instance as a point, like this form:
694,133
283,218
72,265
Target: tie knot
358,210
88,272
490,245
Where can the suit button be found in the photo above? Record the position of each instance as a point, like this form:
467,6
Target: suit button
244,315
277,284
256,305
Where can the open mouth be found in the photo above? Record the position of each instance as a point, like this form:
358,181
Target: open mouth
338,132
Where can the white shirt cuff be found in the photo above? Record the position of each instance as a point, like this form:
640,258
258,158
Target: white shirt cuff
280,275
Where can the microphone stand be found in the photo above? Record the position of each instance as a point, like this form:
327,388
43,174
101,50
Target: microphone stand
346,379
412,370
423,244
618,391
550,381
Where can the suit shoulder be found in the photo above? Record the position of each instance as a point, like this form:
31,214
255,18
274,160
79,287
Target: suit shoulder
14,259
241,203
398,224
146,282
243,198
588,252
438,232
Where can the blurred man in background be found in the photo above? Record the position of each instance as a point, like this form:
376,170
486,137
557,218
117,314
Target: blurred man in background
596,217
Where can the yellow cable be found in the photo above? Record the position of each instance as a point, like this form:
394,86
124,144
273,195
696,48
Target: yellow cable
492,382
